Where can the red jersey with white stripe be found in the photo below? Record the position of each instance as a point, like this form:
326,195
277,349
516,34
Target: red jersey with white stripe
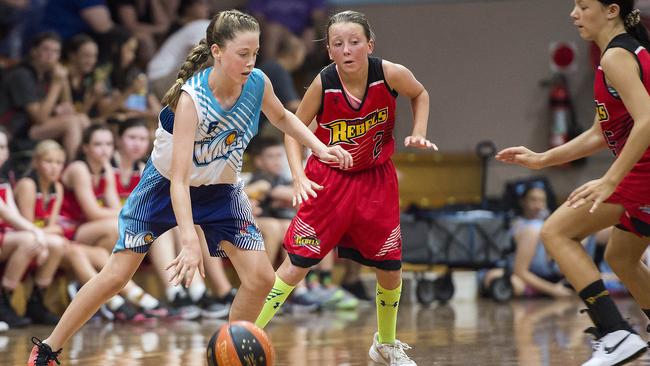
124,190
366,132
44,203
70,208
616,122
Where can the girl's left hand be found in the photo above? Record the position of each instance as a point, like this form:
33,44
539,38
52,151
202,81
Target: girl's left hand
419,142
596,191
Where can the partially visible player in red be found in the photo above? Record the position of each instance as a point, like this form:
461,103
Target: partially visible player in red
621,197
132,145
356,210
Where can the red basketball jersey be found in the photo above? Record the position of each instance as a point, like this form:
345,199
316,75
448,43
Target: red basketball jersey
366,132
70,208
125,190
44,203
616,122
3,196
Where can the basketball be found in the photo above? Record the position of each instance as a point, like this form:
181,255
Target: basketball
240,343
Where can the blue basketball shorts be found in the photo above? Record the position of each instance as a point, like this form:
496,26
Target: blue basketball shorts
222,210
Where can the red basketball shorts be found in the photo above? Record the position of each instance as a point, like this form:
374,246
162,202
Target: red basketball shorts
636,218
358,212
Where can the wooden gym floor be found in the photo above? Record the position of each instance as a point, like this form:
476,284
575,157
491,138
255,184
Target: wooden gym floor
481,332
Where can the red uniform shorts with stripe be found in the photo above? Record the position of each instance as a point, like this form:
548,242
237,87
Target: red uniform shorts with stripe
358,212
636,218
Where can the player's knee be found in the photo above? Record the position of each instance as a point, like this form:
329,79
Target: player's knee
549,235
57,244
262,280
619,261
114,281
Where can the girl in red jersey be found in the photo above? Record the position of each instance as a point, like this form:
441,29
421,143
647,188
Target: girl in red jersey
621,197
21,243
133,143
90,201
353,101
91,205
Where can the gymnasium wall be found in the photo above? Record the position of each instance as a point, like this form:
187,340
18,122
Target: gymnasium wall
482,63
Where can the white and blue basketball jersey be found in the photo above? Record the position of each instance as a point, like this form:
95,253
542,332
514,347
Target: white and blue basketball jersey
221,208
221,136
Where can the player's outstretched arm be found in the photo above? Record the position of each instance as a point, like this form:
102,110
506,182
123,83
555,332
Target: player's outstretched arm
585,144
291,125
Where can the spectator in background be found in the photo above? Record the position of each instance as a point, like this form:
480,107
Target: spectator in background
302,18
534,271
164,65
189,11
291,55
23,242
35,99
71,17
272,193
129,91
148,20
11,22
87,84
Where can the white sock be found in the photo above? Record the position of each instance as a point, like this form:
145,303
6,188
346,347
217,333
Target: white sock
196,290
148,302
171,292
137,296
115,302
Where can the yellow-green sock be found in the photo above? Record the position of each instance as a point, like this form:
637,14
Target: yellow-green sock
274,300
387,304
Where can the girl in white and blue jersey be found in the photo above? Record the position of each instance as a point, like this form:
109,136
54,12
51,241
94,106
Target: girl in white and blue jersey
192,178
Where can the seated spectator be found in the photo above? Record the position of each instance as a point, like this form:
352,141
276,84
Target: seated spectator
148,20
129,91
272,193
163,67
291,55
189,11
88,87
90,202
71,17
12,20
23,243
304,19
35,99
534,270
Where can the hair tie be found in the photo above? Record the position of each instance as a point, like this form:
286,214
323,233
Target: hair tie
632,19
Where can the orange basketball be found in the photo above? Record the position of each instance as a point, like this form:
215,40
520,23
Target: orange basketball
240,343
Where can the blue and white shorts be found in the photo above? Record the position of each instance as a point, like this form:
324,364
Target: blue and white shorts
222,210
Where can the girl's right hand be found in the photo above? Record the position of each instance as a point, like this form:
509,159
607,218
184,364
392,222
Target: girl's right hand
521,156
335,154
188,260
302,189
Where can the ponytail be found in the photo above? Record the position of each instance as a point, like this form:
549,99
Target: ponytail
636,29
196,60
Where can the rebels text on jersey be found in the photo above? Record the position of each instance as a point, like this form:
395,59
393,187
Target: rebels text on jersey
367,132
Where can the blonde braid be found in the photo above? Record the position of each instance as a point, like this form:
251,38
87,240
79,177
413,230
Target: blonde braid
197,59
